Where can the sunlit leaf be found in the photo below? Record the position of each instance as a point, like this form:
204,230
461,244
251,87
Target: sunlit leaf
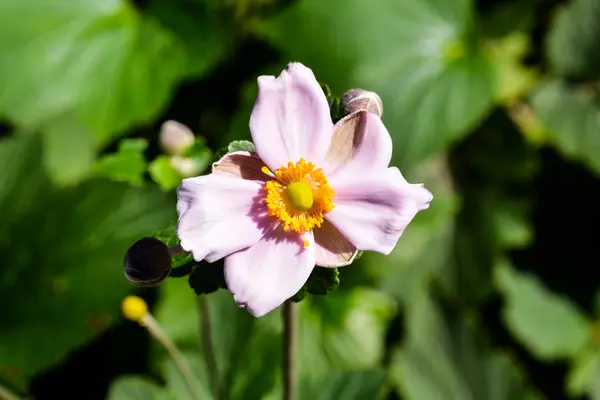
128,164
570,117
549,325
104,60
421,57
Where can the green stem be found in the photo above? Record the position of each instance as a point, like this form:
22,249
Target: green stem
180,363
290,322
207,345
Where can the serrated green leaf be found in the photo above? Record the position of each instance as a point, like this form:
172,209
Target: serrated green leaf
421,57
136,388
128,164
162,172
570,118
443,358
168,235
240,145
573,39
549,325
56,47
71,260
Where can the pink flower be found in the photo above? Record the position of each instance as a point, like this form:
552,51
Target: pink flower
313,193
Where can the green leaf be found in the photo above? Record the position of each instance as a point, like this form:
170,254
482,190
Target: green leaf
200,154
549,325
136,388
321,281
241,145
343,331
422,57
128,164
444,358
570,119
230,344
162,172
425,248
573,39
490,221
584,373
110,65
66,247
347,386
207,278
69,152
168,235
204,34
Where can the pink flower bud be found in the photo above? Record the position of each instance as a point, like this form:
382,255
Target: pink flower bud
175,138
359,99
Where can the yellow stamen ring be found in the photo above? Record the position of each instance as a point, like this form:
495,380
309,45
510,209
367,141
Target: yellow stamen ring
299,196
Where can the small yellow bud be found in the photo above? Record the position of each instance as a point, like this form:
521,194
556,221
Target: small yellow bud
134,308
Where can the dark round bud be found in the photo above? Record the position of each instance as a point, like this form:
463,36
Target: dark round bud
147,262
359,99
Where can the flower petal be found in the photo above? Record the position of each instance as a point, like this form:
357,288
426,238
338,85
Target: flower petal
333,249
241,164
270,272
291,118
360,141
219,215
372,210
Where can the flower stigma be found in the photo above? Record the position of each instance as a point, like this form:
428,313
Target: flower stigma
298,196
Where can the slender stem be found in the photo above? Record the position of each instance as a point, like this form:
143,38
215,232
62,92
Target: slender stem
290,321
6,394
180,363
207,345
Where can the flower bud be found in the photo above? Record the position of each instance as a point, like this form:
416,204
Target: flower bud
134,308
147,262
175,138
359,99
185,167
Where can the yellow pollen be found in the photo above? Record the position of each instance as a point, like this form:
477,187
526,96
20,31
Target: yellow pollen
306,244
266,171
299,196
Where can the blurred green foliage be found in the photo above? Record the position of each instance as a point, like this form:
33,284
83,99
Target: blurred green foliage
473,94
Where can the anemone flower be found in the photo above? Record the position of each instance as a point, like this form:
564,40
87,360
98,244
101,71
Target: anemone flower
312,193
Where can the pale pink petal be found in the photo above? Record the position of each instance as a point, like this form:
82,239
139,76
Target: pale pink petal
291,118
333,249
373,210
360,142
241,164
265,275
219,215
